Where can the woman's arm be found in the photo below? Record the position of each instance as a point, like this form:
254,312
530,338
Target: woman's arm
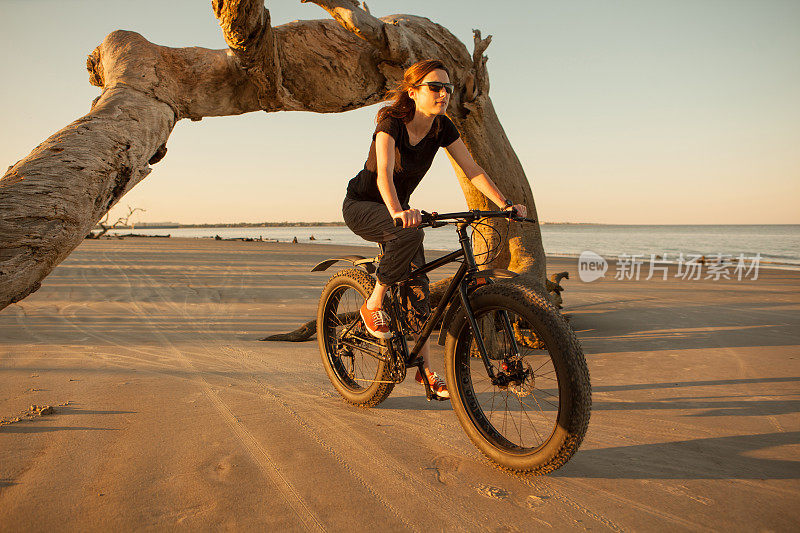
477,176
384,158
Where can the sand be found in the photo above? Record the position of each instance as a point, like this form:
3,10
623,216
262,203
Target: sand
168,414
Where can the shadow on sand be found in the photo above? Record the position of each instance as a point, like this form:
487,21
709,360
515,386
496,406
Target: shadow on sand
689,326
712,458
23,427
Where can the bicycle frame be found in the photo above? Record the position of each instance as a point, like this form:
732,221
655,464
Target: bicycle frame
460,282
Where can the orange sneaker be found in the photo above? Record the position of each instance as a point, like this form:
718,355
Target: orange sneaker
376,321
437,384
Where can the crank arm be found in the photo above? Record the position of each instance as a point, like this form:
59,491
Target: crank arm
429,394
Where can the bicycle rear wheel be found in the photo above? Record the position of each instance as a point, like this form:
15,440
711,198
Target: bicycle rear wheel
356,362
537,417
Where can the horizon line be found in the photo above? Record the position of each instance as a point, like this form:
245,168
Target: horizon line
341,223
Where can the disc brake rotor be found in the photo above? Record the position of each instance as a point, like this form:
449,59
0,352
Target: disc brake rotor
522,381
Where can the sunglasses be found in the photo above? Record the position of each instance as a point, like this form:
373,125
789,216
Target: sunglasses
437,86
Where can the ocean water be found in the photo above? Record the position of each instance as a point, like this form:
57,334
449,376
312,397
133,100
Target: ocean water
778,245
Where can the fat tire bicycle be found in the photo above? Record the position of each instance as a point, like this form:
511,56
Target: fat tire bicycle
517,376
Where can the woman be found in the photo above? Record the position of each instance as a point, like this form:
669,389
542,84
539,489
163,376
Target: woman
409,133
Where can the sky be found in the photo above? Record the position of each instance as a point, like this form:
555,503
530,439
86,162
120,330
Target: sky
621,112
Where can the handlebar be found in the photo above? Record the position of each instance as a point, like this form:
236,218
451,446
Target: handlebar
435,220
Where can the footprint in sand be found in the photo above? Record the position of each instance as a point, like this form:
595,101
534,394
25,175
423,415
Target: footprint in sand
495,493
445,468
535,502
224,468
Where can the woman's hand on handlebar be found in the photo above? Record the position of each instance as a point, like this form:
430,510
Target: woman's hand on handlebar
521,210
410,218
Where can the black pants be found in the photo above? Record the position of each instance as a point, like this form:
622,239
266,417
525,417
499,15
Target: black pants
402,247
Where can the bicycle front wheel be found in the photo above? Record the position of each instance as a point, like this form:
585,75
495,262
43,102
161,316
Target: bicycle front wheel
356,362
534,417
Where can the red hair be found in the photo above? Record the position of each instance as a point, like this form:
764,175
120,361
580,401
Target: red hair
402,105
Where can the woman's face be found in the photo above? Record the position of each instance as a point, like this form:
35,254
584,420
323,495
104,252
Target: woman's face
429,100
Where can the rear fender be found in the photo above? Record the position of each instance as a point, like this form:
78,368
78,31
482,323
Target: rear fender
481,277
367,263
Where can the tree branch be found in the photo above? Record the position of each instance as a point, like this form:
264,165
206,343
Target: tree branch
356,20
387,35
246,26
480,47
477,82
195,82
51,199
131,211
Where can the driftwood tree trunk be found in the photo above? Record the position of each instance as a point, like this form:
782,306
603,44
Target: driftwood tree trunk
51,199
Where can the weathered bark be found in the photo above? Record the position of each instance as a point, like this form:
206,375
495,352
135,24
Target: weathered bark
487,142
51,199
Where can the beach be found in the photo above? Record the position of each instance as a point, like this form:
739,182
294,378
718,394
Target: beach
168,413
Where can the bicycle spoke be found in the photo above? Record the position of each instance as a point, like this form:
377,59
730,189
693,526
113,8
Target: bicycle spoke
353,357
514,423
530,421
540,366
548,402
541,411
512,417
505,412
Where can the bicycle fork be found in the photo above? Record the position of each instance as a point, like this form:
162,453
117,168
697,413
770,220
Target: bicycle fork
471,269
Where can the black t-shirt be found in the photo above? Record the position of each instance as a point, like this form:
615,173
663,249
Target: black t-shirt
414,161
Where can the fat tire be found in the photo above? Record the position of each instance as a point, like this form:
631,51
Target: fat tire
575,393
362,282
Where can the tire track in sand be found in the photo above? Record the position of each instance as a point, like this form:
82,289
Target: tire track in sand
344,464
553,493
268,466
476,457
236,356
